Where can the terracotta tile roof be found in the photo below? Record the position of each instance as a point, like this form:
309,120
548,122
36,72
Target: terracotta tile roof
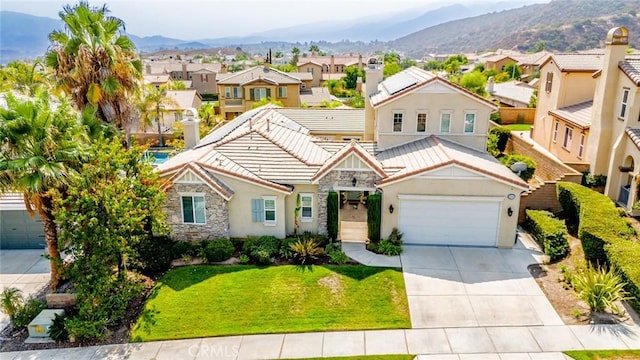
631,68
154,79
352,147
260,73
577,62
430,153
634,135
332,76
578,114
496,58
303,75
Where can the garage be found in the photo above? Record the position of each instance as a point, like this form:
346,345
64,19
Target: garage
18,230
449,220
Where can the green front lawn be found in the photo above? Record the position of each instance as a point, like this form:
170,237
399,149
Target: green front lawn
604,354
518,127
199,301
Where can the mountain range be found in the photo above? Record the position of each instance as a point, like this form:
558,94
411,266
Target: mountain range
559,25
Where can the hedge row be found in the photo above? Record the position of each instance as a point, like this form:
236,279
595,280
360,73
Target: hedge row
550,232
606,236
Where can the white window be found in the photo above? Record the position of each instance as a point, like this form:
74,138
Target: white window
548,83
193,209
233,92
581,147
624,104
257,94
568,135
469,123
282,92
269,209
397,122
306,207
555,131
421,122
445,123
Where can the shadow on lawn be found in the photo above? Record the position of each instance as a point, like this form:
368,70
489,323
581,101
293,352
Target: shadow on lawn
183,277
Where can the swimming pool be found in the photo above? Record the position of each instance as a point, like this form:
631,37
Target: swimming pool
157,157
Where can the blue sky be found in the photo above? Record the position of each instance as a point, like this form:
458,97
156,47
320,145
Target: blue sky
189,18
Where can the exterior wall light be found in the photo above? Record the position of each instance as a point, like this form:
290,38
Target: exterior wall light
354,181
509,211
391,209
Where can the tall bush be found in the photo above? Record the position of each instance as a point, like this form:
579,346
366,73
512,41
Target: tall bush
332,215
550,232
374,217
503,135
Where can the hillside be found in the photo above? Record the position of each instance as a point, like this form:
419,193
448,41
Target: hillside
24,36
562,25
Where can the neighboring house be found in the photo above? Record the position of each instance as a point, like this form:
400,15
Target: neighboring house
498,62
239,91
563,112
170,112
202,76
331,67
428,160
530,64
156,80
510,93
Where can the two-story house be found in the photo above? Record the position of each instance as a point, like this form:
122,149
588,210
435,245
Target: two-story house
330,67
203,77
423,151
239,91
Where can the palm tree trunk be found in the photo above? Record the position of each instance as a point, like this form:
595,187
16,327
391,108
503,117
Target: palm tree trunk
51,236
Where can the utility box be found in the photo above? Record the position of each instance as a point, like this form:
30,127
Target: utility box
39,326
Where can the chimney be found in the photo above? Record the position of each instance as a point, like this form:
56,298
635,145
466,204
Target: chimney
490,83
191,128
147,68
359,85
333,61
359,61
223,68
185,76
373,77
604,102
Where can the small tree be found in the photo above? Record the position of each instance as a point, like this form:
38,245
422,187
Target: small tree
374,217
513,70
475,82
332,215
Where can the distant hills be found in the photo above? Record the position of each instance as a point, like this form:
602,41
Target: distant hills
560,25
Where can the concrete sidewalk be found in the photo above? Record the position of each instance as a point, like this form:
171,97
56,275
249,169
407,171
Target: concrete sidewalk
499,343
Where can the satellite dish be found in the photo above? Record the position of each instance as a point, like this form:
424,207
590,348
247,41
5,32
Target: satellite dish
518,167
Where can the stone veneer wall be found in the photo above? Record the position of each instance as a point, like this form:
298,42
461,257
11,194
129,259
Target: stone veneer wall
339,178
216,211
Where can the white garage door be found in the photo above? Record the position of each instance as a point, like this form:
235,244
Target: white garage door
455,220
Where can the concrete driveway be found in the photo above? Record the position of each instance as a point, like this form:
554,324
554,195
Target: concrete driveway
474,287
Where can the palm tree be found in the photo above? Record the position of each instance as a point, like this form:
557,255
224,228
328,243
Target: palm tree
153,106
95,63
42,148
26,78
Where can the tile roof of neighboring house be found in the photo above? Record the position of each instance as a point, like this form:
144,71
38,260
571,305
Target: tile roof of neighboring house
432,152
183,99
578,114
535,59
631,67
332,76
315,96
303,75
327,120
159,67
259,73
337,60
155,79
577,62
496,58
513,90
634,135
412,78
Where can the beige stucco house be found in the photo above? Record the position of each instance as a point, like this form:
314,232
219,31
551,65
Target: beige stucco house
422,147
203,76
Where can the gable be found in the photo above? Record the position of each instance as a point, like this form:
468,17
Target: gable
451,172
436,88
353,162
189,177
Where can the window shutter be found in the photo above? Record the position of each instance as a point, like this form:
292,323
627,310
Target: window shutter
252,94
257,210
268,93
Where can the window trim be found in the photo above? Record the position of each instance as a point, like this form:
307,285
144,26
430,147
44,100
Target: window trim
282,90
464,125
442,113
193,195
567,141
624,104
302,217
393,124
548,82
275,210
581,146
556,127
426,116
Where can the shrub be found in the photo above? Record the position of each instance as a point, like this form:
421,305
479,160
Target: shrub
11,301
374,217
395,237
28,312
58,331
502,135
218,250
600,289
243,259
496,117
262,249
332,215
606,237
514,158
592,181
181,248
321,240
154,255
550,232
285,247
387,247
305,251
492,145
80,328
335,253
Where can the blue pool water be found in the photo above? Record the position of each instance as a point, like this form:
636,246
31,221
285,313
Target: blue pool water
157,157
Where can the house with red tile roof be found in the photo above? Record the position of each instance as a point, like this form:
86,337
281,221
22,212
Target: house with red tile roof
421,146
